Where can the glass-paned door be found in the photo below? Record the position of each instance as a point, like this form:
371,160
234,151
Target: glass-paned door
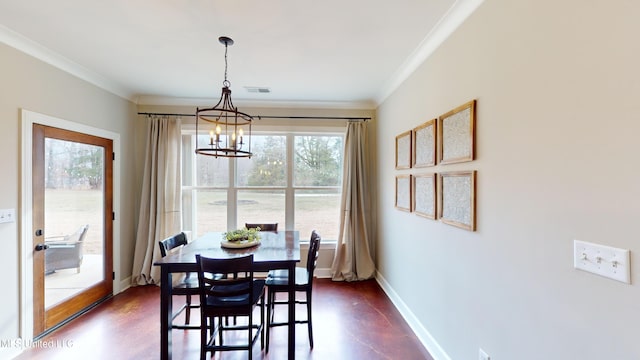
73,211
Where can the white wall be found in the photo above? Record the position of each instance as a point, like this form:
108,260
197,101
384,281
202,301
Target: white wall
32,85
557,85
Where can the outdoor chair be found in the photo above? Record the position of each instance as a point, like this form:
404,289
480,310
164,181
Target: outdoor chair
64,252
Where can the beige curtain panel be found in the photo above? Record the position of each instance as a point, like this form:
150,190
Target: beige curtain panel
353,260
160,201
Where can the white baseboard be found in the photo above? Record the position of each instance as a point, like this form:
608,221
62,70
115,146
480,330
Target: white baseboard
124,285
322,273
421,332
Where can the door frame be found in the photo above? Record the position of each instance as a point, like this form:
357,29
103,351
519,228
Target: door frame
26,247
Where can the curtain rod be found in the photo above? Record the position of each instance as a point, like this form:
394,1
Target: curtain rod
274,116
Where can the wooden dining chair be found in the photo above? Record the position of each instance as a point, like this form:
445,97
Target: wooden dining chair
187,287
236,294
263,227
278,282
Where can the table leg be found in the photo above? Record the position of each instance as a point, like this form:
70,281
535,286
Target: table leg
165,313
292,311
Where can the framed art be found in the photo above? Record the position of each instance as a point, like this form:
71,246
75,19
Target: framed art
456,134
424,144
403,150
457,199
403,192
424,195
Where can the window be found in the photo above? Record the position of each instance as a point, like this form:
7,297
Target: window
293,179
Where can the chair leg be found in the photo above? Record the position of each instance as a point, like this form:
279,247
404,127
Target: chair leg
250,326
309,325
220,330
187,314
270,298
204,329
262,322
273,306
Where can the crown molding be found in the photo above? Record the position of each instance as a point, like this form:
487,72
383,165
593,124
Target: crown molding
174,101
451,20
32,48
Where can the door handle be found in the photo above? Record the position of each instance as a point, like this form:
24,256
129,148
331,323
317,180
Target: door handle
41,247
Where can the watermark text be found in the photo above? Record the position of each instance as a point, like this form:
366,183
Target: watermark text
36,344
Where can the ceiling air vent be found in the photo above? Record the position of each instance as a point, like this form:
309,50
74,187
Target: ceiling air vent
256,89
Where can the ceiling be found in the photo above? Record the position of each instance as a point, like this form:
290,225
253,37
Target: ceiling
331,52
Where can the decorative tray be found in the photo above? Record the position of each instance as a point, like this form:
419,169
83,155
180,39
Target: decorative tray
239,244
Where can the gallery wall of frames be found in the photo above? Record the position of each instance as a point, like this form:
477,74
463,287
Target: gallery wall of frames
446,196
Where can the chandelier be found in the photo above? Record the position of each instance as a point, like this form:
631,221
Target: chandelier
228,130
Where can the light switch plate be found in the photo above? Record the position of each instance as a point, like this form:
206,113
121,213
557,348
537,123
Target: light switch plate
7,215
603,260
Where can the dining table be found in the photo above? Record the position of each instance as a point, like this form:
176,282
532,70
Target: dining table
276,250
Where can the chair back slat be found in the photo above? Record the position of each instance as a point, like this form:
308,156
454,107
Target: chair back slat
172,242
229,280
263,227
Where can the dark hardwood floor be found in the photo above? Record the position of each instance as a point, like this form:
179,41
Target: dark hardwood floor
351,321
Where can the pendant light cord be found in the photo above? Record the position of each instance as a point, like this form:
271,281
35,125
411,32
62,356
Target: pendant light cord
226,82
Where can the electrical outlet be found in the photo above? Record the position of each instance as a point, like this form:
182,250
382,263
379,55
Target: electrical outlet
7,215
483,355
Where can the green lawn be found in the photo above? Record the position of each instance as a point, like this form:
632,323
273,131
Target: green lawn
313,211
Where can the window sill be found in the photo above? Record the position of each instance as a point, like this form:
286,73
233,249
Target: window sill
324,245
